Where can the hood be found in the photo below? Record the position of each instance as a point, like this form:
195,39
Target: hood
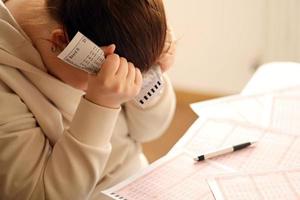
46,96
15,41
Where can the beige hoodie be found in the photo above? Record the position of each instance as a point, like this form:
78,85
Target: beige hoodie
47,129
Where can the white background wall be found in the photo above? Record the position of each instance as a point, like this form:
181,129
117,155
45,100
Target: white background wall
220,42
283,30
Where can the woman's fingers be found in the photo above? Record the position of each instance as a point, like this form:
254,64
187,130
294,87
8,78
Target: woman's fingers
111,65
109,49
138,77
123,69
131,73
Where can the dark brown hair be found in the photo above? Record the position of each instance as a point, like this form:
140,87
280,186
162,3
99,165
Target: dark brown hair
136,27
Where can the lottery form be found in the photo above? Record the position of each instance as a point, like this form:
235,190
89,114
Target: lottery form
272,185
83,54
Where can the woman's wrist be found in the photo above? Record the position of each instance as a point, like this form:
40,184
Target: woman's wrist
101,101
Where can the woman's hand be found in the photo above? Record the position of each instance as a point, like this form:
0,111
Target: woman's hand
167,57
117,82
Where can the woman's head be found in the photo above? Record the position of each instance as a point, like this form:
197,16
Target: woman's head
136,27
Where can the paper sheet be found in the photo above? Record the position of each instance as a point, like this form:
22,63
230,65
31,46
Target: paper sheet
285,114
176,178
251,109
276,185
279,110
83,54
274,150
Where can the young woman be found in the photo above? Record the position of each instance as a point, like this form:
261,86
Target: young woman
65,134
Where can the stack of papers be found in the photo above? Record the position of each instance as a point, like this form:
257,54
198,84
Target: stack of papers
268,170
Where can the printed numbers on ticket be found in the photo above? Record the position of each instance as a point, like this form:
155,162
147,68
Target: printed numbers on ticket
82,53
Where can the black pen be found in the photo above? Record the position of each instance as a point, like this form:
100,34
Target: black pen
223,151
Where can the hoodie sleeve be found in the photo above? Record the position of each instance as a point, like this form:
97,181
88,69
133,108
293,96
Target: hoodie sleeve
149,123
33,169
